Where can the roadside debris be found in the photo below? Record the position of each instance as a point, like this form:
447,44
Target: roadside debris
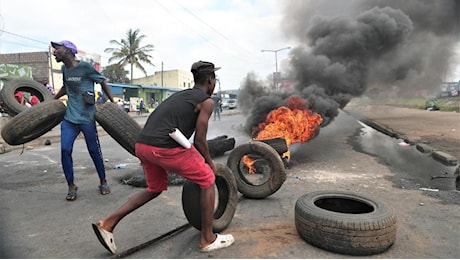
120,166
427,189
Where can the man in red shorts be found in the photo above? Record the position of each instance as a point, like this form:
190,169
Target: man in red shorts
188,111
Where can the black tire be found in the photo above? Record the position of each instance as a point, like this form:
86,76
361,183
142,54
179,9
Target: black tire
265,181
119,125
345,222
26,86
33,122
279,144
226,203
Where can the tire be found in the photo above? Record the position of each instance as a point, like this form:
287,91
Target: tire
269,176
119,125
27,86
345,222
226,203
279,144
33,122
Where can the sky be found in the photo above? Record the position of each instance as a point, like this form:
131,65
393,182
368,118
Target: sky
231,34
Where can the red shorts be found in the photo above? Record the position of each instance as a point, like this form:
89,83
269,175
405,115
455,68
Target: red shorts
188,163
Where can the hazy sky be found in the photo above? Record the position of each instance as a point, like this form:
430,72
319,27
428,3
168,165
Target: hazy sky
229,33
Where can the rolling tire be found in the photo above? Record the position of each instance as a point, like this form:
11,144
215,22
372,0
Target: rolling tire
345,222
28,86
33,122
271,181
226,203
119,125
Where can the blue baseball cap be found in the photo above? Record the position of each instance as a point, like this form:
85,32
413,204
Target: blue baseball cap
68,44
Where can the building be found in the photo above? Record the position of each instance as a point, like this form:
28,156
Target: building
38,61
133,93
170,78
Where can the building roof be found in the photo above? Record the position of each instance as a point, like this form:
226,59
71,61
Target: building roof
121,85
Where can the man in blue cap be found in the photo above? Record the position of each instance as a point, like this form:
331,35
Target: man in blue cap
78,79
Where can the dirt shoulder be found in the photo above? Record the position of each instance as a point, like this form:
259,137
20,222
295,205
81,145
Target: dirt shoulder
440,130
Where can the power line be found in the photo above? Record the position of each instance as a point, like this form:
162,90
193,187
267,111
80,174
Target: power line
17,35
177,18
241,57
209,26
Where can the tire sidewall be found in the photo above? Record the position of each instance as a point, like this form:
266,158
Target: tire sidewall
338,232
119,125
277,174
30,86
33,122
227,200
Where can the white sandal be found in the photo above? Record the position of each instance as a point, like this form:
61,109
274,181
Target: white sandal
221,241
105,237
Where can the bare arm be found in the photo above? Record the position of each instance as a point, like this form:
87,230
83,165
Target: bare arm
61,92
107,90
200,142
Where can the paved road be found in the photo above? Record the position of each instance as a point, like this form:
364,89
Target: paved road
37,222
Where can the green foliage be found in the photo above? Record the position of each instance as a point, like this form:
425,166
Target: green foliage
129,51
444,104
115,73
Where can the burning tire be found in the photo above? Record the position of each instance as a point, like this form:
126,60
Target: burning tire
269,171
33,122
31,87
226,202
279,144
119,125
345,222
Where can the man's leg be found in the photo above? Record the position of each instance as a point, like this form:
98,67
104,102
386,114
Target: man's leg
94,149
133,203
155,176
207,198
69,133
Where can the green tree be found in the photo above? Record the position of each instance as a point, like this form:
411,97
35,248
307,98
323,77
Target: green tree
116,73
129,51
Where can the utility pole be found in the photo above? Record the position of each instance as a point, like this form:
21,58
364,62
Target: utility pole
275,75
162,74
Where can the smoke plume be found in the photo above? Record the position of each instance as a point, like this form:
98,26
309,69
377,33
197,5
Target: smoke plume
350,48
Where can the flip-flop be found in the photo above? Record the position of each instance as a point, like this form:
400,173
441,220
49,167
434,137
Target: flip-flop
105,237
72,194
104,189
221,241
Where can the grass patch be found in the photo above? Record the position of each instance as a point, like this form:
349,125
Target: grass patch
444,104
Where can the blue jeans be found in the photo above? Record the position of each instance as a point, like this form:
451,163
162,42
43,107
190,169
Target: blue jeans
69,132
216,113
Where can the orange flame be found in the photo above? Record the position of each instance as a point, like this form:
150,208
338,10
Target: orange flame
294,123
249,163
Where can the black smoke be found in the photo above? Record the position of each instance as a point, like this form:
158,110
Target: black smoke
350,48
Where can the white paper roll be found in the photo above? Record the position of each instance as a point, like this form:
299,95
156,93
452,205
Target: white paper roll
179,137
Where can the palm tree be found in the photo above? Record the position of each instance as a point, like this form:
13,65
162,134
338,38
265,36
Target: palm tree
130,51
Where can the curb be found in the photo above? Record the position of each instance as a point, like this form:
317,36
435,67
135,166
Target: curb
442,157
